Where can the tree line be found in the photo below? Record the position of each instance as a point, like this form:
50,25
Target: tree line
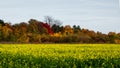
51,31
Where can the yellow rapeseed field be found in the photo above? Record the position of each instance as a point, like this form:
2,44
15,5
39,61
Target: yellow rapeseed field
59,55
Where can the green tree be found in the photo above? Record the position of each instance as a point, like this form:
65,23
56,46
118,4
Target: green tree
56,28
2,22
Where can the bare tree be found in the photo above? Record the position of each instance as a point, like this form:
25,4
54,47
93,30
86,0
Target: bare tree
58,22
51,21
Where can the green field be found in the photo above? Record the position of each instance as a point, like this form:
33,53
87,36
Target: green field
59,55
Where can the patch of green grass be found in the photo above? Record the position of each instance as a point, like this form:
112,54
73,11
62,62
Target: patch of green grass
59,55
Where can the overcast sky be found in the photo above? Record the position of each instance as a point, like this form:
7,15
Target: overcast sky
97,15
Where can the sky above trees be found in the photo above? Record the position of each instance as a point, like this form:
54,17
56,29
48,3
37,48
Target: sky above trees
98,15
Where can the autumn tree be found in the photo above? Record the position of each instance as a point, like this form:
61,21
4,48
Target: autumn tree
76,29
23,31
41,28
117,40
68,30
6,31
16,32
112,37
23,27
33,27
1,32
49,30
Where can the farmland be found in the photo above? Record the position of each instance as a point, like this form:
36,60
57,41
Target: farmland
59,55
